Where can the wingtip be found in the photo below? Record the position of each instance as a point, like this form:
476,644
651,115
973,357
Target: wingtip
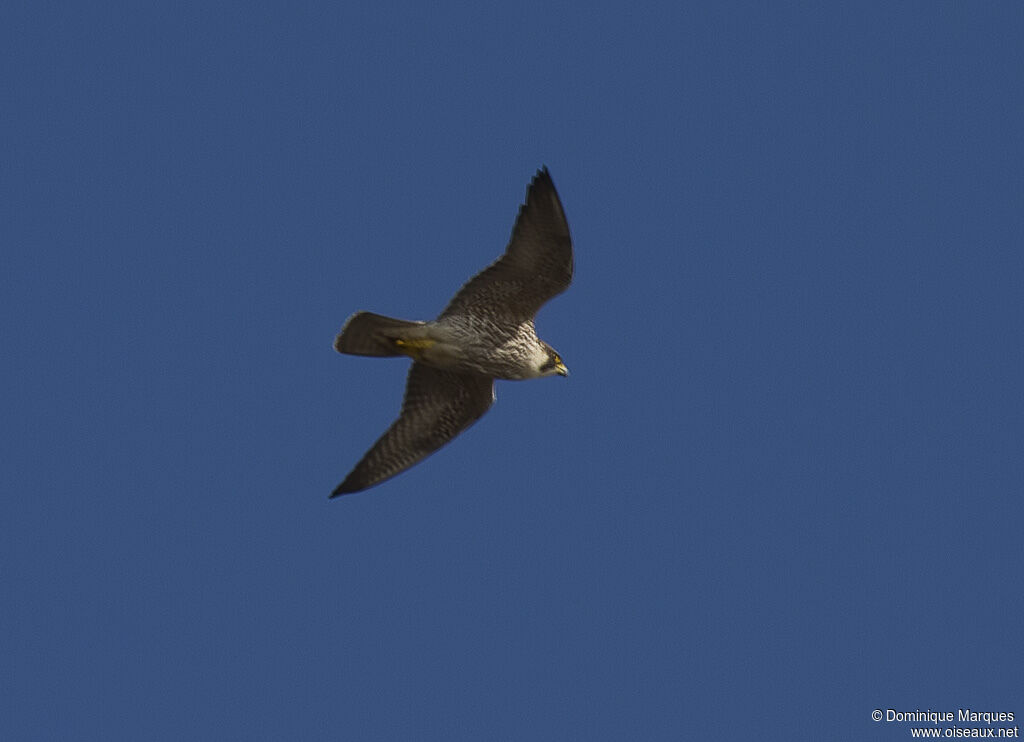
341,489
541,182
352,483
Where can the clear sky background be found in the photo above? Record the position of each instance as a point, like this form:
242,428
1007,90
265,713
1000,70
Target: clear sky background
781,489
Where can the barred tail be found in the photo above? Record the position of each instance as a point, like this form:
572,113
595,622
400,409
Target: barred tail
369,334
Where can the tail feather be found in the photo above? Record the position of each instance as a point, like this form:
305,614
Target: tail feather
369,334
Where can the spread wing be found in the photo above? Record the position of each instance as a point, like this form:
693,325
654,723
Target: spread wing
438,405
536,266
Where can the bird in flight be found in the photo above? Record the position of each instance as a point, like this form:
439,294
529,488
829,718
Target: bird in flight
485,333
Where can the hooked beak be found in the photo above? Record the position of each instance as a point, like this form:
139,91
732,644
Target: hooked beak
561,370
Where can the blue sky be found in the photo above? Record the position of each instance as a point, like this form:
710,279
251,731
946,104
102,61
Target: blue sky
782,487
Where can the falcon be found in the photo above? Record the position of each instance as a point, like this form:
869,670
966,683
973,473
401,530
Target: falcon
485,333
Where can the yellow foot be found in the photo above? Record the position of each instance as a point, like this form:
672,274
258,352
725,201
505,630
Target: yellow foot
414,348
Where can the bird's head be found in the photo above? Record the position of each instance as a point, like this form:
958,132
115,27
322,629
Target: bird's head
551,363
